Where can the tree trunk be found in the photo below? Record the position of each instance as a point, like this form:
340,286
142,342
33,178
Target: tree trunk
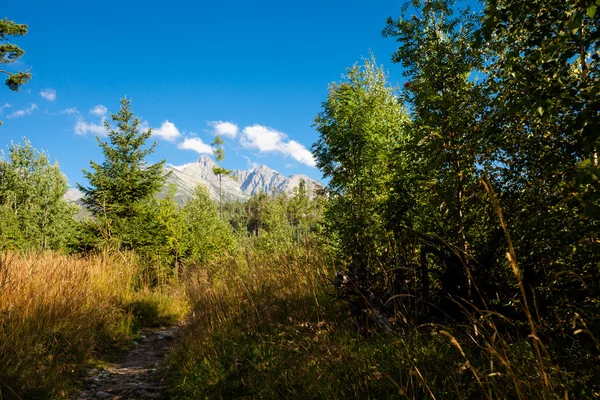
220,198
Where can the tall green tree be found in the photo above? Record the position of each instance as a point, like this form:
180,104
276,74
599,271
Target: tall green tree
359,128
436,170
121,186
10,53
218,170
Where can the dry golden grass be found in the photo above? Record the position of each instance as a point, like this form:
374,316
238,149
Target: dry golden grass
57,313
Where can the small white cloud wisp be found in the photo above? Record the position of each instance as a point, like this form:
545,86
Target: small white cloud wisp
69,111
23,112
84,128
196,144
221,128
265,139
48,94
99,110
167,131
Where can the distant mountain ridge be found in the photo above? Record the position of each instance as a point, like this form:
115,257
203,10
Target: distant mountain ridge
242,185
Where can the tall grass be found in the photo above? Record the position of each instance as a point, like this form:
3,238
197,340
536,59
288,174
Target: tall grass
58,313
267,327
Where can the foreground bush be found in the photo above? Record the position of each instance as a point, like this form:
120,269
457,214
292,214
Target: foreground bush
58,313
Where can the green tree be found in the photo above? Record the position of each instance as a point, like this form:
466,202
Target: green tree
121,187
33,213
256,207
543,82
437,195
218,170
206,237
10,53
172,219
299,209
277,230
359,126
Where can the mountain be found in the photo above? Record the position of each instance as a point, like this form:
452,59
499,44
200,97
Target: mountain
187,177
73,196
242,185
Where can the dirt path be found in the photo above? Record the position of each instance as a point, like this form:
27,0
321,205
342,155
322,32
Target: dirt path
138,375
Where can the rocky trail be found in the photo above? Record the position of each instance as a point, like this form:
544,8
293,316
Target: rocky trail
139,374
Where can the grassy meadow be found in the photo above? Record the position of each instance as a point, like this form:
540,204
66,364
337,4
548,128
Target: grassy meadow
268,327
61,314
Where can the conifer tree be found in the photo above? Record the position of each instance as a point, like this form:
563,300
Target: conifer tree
10,53
218,170
121,185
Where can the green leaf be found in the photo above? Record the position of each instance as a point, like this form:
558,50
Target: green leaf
591,11
585,163
540,110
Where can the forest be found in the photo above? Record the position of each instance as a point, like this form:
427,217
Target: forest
453,251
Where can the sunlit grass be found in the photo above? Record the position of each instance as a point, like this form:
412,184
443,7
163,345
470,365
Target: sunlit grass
59,313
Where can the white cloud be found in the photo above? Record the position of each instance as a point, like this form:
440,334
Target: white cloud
6,105
299,153
71,110
167,131
195,144
222,128
83,128
262,138
67,111
23,112
99,110
266,139
48,94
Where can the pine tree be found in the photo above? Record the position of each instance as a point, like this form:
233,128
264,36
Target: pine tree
218,170
10,53
121,185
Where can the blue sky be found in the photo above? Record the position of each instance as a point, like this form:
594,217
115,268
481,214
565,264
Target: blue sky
261,66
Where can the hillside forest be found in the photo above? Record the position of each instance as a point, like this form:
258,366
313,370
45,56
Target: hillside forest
453,251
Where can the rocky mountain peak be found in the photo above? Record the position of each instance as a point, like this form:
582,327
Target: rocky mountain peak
206,159
261,168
